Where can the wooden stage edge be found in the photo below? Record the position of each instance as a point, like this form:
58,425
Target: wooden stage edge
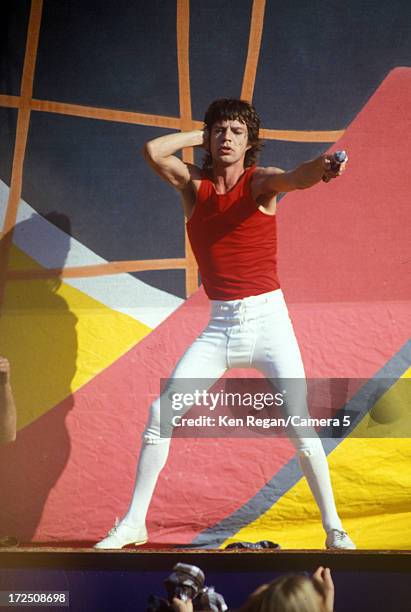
163,559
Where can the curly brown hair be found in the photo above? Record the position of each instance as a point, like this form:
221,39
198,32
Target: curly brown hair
231,109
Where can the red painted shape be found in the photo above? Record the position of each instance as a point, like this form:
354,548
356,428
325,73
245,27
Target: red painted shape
70,473
349,240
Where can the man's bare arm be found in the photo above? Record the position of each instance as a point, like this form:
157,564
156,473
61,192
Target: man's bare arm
160,154
274,180
7,406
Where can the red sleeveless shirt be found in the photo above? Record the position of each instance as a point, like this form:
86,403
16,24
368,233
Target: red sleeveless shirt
234,243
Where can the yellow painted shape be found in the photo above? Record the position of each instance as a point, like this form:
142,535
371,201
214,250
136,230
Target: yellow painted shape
57,339
372,484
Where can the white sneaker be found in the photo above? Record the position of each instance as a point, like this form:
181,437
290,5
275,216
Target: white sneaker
339,539
123,534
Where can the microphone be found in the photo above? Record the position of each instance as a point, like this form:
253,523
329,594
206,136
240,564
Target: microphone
338,158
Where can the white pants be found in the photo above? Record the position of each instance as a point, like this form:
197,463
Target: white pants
252,332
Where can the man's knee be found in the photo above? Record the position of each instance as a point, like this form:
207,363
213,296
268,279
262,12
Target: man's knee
308,447
150,437
159,427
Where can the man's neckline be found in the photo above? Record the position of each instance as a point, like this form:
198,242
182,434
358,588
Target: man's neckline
235,184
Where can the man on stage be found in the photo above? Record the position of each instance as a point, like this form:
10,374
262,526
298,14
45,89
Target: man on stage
230,206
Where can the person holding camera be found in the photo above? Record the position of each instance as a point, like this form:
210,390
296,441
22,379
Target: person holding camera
186,591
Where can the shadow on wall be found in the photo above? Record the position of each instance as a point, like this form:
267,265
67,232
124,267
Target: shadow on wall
38,335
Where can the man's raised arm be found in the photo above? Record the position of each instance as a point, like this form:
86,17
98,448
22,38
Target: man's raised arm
160,154
7,405
274,180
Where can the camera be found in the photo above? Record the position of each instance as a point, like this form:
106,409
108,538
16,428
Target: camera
187,582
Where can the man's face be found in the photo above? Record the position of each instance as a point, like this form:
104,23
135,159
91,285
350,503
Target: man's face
228,141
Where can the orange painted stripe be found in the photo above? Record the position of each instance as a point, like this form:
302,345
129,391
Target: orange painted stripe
10,101
254,44
183,45
91,112
23,122
105,269
302,135
105,114
26,90
292,135
183,41
197,125
24,113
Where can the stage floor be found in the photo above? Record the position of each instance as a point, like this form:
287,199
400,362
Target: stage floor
157,557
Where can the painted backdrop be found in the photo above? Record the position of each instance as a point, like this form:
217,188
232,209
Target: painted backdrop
99,290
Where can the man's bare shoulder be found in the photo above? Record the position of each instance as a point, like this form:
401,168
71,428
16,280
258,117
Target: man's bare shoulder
268,180
264,171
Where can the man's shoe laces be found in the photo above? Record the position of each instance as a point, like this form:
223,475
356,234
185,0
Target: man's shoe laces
113,530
